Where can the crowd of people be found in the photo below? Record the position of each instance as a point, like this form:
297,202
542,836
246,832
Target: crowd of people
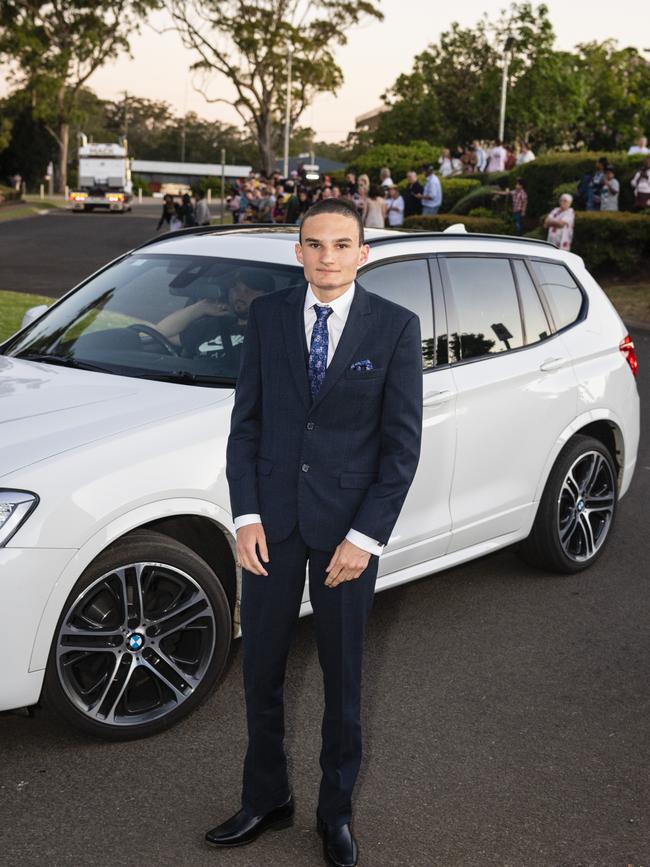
275,199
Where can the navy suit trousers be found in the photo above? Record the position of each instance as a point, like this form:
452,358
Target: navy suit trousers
270,606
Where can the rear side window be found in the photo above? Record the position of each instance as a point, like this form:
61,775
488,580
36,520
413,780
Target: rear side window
561,290
535,322
407,283
486,306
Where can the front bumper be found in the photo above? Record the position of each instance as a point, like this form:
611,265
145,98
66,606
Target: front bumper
27,577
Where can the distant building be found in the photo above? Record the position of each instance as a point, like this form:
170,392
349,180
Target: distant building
370,119
160,174
325,166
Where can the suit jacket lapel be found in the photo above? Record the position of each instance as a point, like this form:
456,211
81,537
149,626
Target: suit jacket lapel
293,323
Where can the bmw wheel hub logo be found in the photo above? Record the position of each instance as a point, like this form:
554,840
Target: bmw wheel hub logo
580,505
135,641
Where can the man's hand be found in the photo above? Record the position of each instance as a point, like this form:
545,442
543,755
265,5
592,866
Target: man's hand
249,538
347,563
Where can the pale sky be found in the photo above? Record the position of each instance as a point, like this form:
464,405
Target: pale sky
375,55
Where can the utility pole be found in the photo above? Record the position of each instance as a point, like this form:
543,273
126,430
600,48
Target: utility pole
507,48
287,116
125,122
223,184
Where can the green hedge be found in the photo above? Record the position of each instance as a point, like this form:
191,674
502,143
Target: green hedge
439,222
612,241
398,158
9,194
480,197
546,173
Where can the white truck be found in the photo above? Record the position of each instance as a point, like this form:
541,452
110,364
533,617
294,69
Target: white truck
104,178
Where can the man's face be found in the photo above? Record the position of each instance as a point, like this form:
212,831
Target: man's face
330,251
241,296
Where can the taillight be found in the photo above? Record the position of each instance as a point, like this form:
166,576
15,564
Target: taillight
627,348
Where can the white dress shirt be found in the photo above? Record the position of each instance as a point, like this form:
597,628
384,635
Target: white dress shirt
335,325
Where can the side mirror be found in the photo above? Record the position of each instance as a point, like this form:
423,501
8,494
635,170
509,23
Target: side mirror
33,313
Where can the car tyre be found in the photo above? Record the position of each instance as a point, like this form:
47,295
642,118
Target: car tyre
576,511
175,605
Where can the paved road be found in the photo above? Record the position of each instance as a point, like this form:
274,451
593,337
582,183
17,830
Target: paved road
50,254
506,725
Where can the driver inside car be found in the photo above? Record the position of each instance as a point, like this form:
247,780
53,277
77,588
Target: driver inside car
210,324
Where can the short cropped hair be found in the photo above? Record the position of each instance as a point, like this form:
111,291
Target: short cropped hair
334,206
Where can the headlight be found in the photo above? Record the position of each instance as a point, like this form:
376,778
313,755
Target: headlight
15,506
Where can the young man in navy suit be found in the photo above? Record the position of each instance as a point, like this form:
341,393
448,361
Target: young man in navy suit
323,447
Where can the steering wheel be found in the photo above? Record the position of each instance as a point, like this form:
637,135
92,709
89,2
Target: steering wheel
141,328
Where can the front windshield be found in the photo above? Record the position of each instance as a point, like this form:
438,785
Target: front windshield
164,316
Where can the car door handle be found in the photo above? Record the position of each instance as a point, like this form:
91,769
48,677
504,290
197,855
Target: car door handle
553,363
434,398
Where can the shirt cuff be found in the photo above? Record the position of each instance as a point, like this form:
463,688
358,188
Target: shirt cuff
372,546
242,520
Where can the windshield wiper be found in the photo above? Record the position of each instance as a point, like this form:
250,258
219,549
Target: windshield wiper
192,378
63,361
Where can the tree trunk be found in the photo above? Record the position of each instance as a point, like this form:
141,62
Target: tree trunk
265,144
62,167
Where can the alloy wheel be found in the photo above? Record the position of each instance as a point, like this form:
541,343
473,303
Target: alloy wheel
586,506
135,644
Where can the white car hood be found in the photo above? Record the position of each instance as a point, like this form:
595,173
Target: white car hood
46,410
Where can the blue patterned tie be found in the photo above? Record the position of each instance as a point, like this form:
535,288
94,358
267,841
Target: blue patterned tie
318,350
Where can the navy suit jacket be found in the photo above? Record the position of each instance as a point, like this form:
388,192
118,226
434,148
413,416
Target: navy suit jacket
345,460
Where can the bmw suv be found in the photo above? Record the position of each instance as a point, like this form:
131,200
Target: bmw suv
116,541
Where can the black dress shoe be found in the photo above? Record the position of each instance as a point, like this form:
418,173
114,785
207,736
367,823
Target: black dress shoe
243,828
339,845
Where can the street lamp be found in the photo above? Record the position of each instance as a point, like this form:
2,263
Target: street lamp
287,115
507,48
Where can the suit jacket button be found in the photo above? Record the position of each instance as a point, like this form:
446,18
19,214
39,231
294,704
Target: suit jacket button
305,468
310,425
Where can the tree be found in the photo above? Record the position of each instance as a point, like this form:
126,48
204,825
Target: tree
616,108
247,43
54,46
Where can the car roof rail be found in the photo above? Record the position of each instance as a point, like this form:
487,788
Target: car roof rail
218,229
446,235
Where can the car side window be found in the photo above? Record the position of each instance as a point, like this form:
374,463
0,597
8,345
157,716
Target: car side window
488,319
561,291
535,322
407,283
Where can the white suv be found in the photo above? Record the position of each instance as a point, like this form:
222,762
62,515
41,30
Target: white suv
117,574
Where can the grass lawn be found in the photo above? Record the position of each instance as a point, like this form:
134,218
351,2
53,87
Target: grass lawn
12,309
23,209
632,300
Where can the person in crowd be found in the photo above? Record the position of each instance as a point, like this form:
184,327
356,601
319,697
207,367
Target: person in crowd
640,148
305,201
446,167
265,206
233,201
201,210
641,186
468,160
481,156
168,211
292,204
511,160
279,209
497,157
609,191
394,208
413,195
560,223
519,198
385,179
432,193
336,191
525,154
351,186
364,184
374,209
